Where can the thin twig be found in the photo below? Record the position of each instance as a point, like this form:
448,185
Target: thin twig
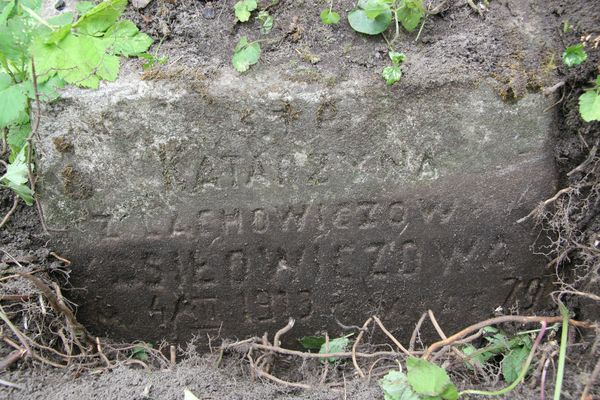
396,342
436,325
10,384
413,337
264,374
283,331
10,212
544,204
355,346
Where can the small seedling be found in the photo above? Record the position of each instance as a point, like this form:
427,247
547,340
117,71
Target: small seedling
373,17
393,73
574,55
423,380
336,345
589,103
514,352
245,54
330,17
243,9
266,22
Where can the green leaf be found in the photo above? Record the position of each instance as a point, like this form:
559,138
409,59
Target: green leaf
574,55
374,8
58,35
140,353
15,39
79,60
84,6
245,54
336,345
329,17
124,38
513,363
16,177
266,21
589,106
410,13
244,8
101,17
396,57
428,379
395,387
312,342
360,22
61,19
17,139
7,9
13,102
392,74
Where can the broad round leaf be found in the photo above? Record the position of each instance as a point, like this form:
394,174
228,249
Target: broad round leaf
589,106
245,55
361,23
329,17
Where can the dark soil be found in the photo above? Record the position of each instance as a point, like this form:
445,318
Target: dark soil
455,45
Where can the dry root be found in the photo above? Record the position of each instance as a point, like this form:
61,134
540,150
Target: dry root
261,354
39,326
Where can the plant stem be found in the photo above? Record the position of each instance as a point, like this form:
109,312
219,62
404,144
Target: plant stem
522,374
562,355
397,35
421,28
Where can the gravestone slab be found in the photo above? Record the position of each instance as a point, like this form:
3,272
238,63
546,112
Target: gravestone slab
234,202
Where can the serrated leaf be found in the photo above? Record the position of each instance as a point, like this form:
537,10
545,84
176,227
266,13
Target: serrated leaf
410,13
574,55
79,60
266,21
245,54
13,102
361,23
397,57
589,106
513,363
244,8
336,345
101,17
329,17
124,38
395,386
392,74
427,379
312,342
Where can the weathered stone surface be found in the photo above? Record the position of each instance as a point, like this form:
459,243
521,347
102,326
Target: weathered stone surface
238,202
